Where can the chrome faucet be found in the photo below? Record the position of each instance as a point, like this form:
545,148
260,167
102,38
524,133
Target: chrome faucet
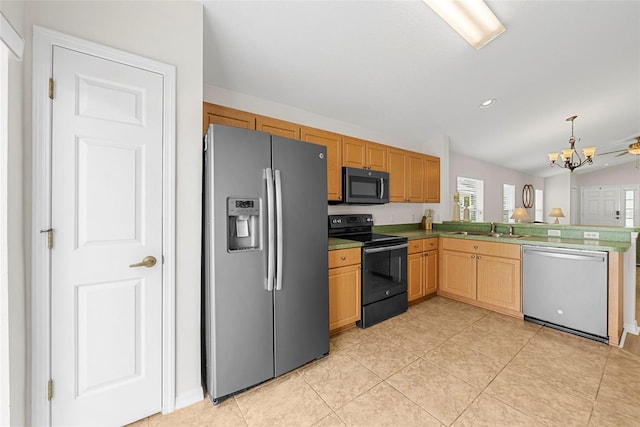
493,227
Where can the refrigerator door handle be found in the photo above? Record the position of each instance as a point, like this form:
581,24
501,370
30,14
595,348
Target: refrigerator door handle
279,244
270,228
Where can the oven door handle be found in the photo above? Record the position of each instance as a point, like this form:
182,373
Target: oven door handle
385,248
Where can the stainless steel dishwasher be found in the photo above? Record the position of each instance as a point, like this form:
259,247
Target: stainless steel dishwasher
566,289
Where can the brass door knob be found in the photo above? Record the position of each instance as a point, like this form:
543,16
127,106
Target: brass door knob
148,261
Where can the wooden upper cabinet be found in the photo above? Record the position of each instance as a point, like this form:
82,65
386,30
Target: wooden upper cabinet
377,156
397,171
278,127
406,176
358,153
414,177
354,152
431,187
333,142
220,115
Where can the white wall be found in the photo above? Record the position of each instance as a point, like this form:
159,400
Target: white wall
494,177
624,174
558,195
17,310
393,213
170,32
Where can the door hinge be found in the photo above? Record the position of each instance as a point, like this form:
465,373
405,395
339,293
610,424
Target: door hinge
51,88
50,390
49,232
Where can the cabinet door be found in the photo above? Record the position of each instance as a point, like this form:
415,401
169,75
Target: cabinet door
431,186
430,285
344,296
397,178
333,142
499,282
278,127
353,152
458,275
414,178
415,271
376,156
220,115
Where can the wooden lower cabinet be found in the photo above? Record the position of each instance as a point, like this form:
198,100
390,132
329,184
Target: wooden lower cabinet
422,268
499,282
344,288
482,273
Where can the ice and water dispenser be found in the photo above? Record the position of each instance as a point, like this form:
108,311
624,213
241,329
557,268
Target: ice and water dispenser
243,224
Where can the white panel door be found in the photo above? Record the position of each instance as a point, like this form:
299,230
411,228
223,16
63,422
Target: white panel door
602,206
106,213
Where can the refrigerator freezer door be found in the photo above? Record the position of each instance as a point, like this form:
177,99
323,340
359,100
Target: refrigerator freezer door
238,307
302,303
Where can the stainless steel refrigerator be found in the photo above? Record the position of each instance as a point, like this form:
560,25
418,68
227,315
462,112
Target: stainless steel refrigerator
265,282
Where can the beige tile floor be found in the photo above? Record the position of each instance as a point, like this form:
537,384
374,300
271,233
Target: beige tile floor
441,363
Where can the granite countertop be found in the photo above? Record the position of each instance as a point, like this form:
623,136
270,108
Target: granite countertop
559,242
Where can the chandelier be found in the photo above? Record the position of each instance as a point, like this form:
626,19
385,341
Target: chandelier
570,158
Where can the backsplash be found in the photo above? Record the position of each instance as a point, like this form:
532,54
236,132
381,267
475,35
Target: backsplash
390,213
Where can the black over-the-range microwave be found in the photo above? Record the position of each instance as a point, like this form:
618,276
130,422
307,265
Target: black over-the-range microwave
366,187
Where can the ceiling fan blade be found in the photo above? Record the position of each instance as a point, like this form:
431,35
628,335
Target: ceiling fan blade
622,154
613,152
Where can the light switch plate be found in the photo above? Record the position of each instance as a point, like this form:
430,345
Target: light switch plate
591,235
555,233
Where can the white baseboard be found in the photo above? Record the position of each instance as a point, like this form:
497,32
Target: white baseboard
632,327
189,398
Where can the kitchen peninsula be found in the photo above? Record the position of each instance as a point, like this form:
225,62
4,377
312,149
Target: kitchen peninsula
617,242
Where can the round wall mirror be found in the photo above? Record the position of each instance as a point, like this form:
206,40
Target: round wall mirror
527,196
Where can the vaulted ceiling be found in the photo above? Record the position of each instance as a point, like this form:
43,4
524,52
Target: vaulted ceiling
398,68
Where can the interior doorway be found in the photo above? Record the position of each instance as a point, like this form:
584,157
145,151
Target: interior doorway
78,233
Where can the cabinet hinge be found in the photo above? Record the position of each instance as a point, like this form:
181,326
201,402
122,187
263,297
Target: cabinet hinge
51,88
49,232
50,390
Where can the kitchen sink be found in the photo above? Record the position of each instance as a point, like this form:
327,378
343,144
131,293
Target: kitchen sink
508,236
469,233
488,234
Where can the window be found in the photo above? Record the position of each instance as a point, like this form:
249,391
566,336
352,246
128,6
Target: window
629,204
539,203
508,202
474,190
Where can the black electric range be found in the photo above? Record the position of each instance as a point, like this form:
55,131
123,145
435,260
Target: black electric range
383,285
358,227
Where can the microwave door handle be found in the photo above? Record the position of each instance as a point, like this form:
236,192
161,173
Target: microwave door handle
381,188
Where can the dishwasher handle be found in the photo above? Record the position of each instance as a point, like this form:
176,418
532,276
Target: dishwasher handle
572,256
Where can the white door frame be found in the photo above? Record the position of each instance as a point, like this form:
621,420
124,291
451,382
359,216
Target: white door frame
43,42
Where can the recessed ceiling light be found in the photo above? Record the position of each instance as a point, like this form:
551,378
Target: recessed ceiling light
488,103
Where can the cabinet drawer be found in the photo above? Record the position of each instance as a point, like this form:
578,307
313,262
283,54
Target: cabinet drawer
499,249
342,257
430,244
415,246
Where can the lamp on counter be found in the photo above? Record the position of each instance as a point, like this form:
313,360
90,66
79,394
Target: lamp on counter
556,213
520,214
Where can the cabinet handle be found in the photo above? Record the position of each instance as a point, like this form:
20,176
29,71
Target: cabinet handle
475,247
473,256
478,257
343,258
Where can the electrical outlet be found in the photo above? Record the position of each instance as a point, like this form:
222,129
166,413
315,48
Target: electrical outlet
555,233
591,235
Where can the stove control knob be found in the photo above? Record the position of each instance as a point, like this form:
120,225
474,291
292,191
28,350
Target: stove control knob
387,293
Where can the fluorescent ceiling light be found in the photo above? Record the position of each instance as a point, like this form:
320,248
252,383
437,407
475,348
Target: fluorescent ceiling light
472,19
